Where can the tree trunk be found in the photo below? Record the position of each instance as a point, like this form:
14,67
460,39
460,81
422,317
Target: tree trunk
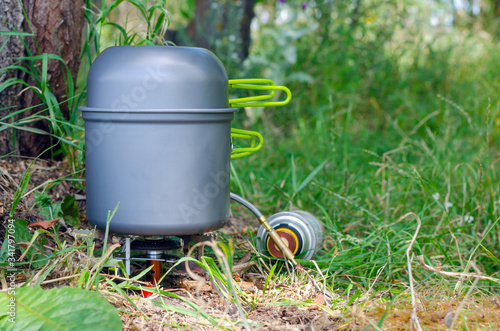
12,14
219,20
57,28
245,33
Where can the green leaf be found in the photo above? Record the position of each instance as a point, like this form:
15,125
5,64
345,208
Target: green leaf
186,14
21,233
57,309
51,212
70,211
48,210
84,276
356,295
42,199
188,11
109,218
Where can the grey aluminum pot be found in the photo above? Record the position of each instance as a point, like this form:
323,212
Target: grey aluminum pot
157,135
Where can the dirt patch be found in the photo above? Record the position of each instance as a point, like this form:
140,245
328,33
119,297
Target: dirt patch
262,317
436,313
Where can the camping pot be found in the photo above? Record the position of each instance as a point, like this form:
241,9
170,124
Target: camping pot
158,139
158,142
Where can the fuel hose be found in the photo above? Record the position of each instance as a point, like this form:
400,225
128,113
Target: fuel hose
263,221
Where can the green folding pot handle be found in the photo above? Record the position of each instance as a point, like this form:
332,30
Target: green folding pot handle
256,142
255,138
261,85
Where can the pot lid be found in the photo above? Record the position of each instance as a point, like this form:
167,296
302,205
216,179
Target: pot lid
157,77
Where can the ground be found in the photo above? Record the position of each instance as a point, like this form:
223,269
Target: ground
274,317
292,302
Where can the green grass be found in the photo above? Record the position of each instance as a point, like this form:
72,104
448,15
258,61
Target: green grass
385,120
409,126
371,178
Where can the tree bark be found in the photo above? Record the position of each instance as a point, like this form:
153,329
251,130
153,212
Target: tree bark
209,24
12,14
200,30
57,28
245,33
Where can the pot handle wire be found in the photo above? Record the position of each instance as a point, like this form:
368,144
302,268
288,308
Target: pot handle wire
256,142
258,101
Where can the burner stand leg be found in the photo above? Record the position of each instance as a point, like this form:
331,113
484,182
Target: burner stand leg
127,255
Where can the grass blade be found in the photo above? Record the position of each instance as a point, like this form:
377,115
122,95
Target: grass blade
310,177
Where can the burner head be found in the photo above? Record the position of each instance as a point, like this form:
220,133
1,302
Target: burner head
155,245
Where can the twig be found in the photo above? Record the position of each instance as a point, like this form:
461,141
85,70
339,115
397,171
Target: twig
114,295
414,317
379,272
458,285
455,274
125,279
326,294
35,235
101,274
59,279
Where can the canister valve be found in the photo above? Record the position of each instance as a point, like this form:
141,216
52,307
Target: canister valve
300,230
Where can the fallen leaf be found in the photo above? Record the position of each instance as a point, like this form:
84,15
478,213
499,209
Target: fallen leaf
245,258
44,224
243,266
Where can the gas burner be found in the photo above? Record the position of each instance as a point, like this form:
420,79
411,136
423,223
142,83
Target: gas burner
166,244
156,250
